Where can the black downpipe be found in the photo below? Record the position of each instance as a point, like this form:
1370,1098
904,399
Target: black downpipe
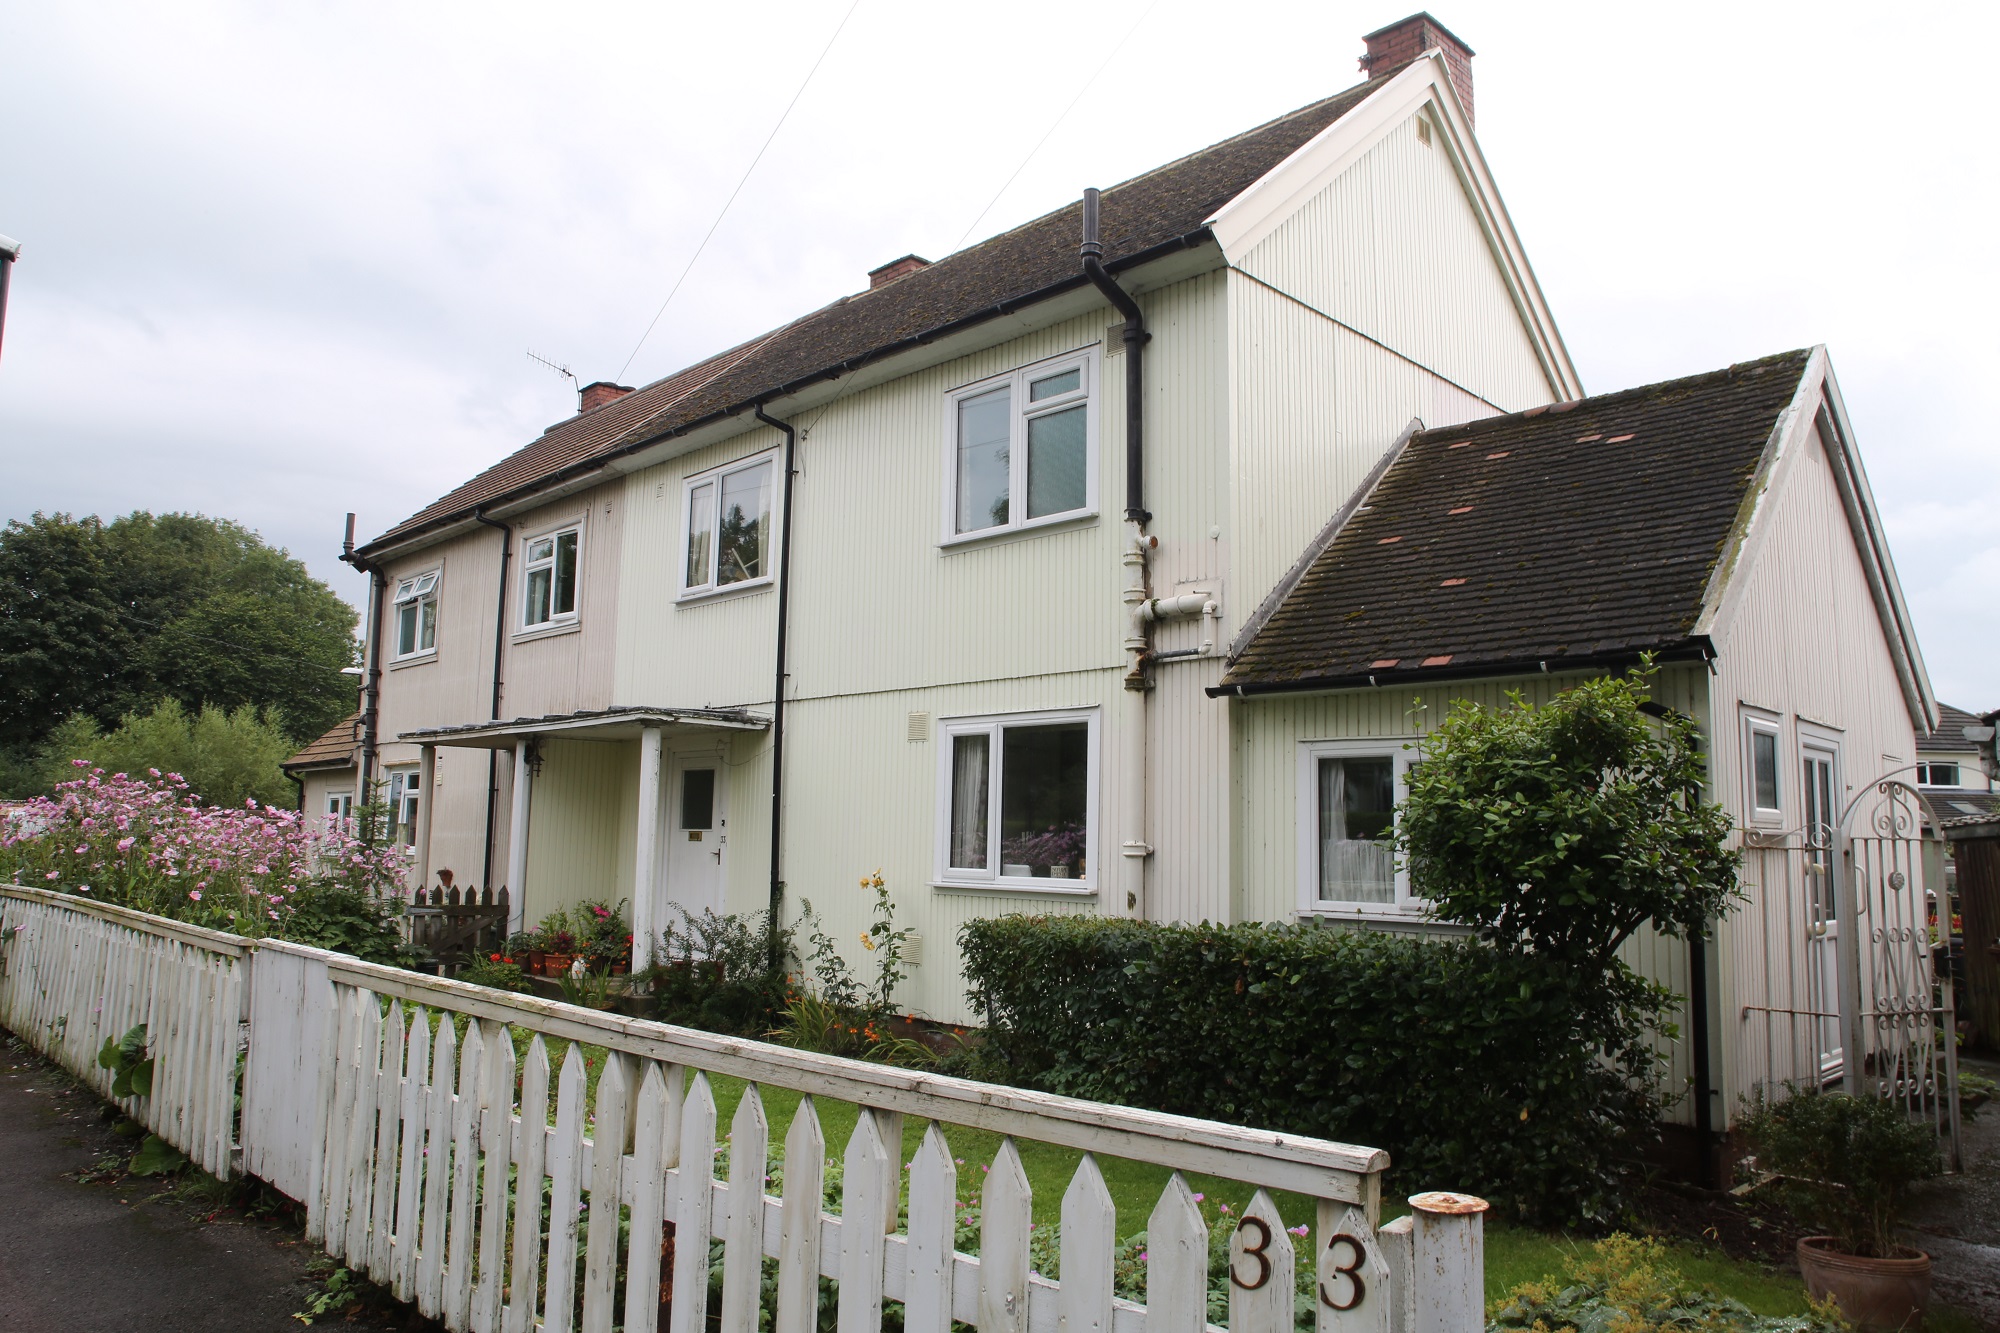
775,951
499,644
9,251
371,690
1092,254
1704,1112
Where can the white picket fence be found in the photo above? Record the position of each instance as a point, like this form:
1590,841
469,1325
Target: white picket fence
394,1105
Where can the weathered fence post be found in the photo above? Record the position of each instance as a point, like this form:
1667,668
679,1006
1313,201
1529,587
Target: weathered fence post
1448,1244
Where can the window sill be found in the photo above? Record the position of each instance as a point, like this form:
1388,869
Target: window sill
1398,912
723,594
560,627
1033,528
414,659
1020,887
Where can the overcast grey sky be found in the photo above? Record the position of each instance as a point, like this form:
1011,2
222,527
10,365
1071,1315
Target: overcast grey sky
283,261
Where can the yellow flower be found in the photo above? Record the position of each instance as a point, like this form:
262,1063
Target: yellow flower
867,941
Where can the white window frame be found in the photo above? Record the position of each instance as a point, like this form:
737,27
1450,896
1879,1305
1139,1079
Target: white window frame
947,876
1762,724
1089,362
340,808
405,788
1926,774
700,591
553,535
422,590
1402,752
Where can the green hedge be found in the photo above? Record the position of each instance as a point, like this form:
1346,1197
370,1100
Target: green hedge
1476,1069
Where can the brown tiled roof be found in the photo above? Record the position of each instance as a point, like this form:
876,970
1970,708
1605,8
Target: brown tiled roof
333,750
1150,214
1572,535
1950,734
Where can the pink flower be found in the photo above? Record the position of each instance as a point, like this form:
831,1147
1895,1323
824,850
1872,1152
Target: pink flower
195,894
125,844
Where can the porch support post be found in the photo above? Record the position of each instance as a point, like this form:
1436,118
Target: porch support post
426,788
517,838
644,924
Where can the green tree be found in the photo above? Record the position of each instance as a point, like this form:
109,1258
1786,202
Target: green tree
225,757
101,620
1563,829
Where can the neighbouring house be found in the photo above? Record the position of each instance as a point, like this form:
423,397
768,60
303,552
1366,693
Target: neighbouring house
1098,568
1950,771
327,772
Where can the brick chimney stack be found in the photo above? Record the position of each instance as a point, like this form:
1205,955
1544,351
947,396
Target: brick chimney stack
599,393
895,269
1411,37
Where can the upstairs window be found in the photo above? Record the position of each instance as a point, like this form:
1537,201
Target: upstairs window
1022,449
416,615
729,527
1937,775
548,589
1018,795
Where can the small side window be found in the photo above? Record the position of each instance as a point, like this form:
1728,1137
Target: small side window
1764,793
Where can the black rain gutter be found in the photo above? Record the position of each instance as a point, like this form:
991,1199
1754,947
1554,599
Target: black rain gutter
1695,649
1189,241
499,645
775,935
371,690
1092,254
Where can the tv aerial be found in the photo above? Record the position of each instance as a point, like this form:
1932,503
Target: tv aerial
562,370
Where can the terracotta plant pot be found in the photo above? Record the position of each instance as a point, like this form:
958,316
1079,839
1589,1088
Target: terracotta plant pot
1874,1294
555,964
535,958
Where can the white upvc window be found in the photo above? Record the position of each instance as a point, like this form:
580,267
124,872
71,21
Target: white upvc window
339,808
727,518
1763,779
1937,773
1022,448
417,615
1349,792
1017,802
404,796
549,577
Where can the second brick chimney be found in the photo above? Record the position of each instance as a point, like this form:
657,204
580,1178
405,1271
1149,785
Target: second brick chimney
895,269
1409,38
599,393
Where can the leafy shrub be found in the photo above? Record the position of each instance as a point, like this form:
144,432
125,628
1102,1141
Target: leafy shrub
1626,1285
604,938
498,971
227,758
713,972
1563,829
1476,1068
1847,1162
145,843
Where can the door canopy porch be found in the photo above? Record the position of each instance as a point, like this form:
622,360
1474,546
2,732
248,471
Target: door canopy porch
621,723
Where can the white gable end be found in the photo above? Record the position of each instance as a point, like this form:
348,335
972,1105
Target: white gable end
1388,223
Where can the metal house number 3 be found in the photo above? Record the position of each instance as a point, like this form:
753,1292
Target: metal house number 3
1357,1286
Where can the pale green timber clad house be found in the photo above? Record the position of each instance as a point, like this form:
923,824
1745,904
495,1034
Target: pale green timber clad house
1004,648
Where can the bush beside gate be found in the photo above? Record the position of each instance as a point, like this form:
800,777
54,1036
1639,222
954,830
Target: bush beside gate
1495,1070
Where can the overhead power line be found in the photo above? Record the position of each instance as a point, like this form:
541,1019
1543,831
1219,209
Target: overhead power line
724,210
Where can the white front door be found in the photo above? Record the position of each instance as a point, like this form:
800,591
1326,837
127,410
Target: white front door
695,825
1823,950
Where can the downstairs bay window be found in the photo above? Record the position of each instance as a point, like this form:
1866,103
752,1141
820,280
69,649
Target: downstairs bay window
1018,802
1348,795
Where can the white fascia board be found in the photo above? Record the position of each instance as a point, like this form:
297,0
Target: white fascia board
1790,436
1280,192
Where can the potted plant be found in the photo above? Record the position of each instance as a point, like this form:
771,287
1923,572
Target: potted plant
558,943
603,938
1846,1165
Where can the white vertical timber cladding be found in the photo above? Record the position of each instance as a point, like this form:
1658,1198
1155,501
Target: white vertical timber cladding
583,830
1804,588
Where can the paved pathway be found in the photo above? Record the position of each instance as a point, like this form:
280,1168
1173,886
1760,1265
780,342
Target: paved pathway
1957,1217
111,1257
